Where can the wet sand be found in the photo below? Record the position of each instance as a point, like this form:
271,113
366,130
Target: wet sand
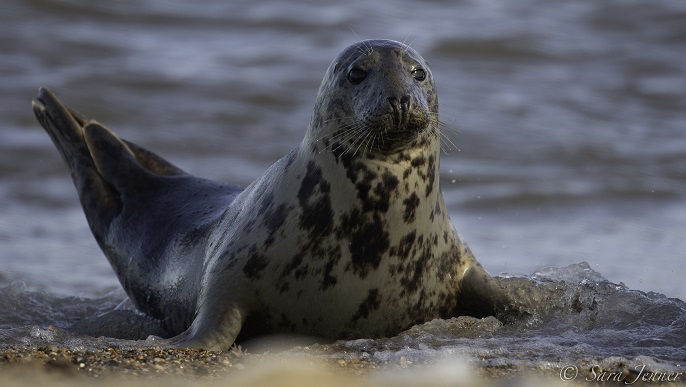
60,366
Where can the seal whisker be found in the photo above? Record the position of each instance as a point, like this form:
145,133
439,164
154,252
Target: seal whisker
366,47
444,122
369,47
446,142
433,132
359,141
436,133
341,119
355,136
370,143
341,138
407,45
443,130
350,132
345,130
446,130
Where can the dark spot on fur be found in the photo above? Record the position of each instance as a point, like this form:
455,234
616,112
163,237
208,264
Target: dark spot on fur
438,210
369,304
329,280
275,218
384,190
292,265
405,245
411,204
402,156
249,225
363,188
338,151
431,175
290,157
302,272
317,215
353,170
418,161
379,198
447,262
255,264
415,259
369,240
312,178
228,260
266,203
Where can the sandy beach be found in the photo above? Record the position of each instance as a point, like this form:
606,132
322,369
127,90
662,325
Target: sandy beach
60,366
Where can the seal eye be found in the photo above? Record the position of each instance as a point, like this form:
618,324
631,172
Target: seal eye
419,74
356,75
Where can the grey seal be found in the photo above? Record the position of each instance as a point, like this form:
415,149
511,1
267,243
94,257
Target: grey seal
347,236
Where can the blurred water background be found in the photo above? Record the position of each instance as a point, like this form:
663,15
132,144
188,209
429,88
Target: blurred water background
569,117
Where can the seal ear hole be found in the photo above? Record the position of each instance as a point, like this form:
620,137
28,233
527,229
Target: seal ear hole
356,76
419,74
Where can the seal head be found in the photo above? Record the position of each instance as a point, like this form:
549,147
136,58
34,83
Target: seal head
377,96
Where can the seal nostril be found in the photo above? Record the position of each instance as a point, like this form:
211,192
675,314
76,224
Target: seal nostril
394,103
401,105
405,102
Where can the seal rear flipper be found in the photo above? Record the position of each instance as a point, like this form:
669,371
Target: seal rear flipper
94,170
64,126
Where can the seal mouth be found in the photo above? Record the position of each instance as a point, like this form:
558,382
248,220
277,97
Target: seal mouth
385,134
396,130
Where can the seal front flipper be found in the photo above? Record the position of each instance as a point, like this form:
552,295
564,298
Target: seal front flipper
481,295
214,328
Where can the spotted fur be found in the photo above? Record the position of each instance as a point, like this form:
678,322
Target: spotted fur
346,236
